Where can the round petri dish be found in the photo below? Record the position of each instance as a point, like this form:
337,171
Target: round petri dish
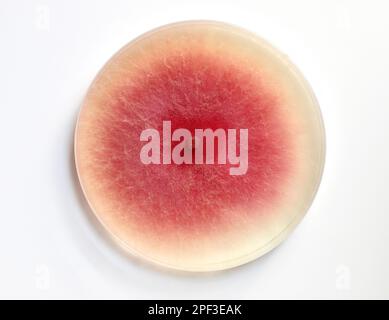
199,146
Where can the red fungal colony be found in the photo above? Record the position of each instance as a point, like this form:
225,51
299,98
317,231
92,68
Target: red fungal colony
194,91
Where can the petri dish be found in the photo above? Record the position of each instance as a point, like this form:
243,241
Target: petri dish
199,146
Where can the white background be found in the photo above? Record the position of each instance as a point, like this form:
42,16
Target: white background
50,245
